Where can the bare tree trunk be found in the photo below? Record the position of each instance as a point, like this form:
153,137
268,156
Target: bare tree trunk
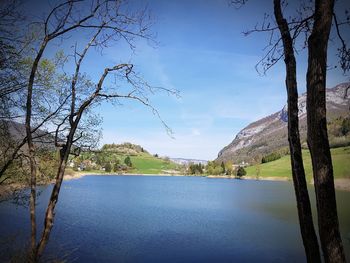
49,216
32,202
31,149
317,136
300,187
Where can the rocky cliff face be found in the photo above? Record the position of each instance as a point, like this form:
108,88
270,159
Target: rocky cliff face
270,133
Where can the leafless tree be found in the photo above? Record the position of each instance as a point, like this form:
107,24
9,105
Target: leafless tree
317,136
309,28
105,22
300,186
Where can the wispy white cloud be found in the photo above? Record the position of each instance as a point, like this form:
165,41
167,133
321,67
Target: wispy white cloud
195,132
250,109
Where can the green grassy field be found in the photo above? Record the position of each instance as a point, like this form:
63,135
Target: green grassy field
282,167
147,164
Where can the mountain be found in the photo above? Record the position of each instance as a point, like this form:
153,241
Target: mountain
12,133
269,134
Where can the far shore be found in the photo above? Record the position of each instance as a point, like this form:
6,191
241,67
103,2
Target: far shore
6,190
339,183
78,175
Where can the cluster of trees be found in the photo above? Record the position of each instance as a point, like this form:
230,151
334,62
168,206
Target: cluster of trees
339,127
117,166
270,157
99,160
47,161
195,168
224,168
339,132
214,168
345,126
123,148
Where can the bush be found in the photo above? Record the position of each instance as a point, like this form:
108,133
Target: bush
116,166
127,161
108,167
241,172
223,168
214,168
47,165
345,126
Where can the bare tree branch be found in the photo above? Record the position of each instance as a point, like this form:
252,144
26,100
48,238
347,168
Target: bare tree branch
343,51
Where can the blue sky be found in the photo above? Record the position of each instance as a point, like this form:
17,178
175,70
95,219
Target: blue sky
203,54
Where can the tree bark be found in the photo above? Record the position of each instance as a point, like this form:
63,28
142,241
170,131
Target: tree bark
31,149
317,136
49,215
300,186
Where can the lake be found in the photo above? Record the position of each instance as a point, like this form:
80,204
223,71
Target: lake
168,219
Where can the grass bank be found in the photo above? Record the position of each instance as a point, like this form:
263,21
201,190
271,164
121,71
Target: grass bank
281,168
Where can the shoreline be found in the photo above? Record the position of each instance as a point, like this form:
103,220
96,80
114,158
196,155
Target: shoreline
341,184
78,175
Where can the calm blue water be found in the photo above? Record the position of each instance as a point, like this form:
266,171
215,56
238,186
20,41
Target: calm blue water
169,219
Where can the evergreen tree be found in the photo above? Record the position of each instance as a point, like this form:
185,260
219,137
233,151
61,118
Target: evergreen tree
108,167
241,172
345,127
127,161
223,167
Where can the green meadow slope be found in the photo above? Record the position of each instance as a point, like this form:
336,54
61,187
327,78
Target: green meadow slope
147,164
282,166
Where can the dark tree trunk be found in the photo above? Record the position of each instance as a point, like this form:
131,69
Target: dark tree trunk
300,186
31,149
32,202
49,215
317,136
